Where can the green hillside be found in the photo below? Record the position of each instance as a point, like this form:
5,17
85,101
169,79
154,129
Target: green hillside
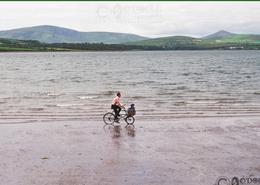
167,41
240,38
179,42
234,41
17,45
54,34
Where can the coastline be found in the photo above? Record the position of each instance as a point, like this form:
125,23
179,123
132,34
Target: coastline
181,151
133,50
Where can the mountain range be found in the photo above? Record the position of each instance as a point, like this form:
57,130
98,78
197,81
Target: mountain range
54,34
62,38
219,40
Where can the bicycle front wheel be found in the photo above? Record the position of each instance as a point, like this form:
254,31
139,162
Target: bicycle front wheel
109,118
130,120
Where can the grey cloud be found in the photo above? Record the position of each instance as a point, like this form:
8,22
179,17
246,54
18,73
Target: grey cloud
145,18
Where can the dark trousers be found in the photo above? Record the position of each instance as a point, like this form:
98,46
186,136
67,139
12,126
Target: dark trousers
117,110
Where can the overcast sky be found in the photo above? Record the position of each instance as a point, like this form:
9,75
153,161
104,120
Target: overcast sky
144,18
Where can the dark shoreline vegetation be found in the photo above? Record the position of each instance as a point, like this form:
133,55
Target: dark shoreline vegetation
171,43
9,45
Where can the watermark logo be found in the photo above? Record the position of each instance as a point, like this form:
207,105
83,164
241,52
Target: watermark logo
130,13
223,181
237,181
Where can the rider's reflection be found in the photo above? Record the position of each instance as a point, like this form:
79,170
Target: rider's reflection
116,131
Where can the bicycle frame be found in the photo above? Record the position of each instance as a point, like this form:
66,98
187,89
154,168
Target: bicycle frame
109,117
122,114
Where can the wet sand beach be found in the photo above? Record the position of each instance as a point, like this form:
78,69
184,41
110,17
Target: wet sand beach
177,151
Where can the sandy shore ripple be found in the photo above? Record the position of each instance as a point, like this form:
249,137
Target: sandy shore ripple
180,151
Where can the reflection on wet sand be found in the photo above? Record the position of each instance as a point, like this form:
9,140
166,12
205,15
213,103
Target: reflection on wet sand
130,131
116,131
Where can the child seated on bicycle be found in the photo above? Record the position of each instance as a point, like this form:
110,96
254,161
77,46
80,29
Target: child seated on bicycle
131,111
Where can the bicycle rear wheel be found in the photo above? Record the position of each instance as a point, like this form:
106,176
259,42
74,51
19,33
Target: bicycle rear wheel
130,120
109,118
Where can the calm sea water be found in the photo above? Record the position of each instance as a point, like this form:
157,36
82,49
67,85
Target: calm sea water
162,84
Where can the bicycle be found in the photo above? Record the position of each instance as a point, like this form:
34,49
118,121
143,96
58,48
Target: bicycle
109,117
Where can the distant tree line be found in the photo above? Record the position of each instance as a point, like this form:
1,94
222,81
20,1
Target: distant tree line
100,46
38,46
32,45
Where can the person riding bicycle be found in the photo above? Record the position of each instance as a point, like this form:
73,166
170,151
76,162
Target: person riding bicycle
116,106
